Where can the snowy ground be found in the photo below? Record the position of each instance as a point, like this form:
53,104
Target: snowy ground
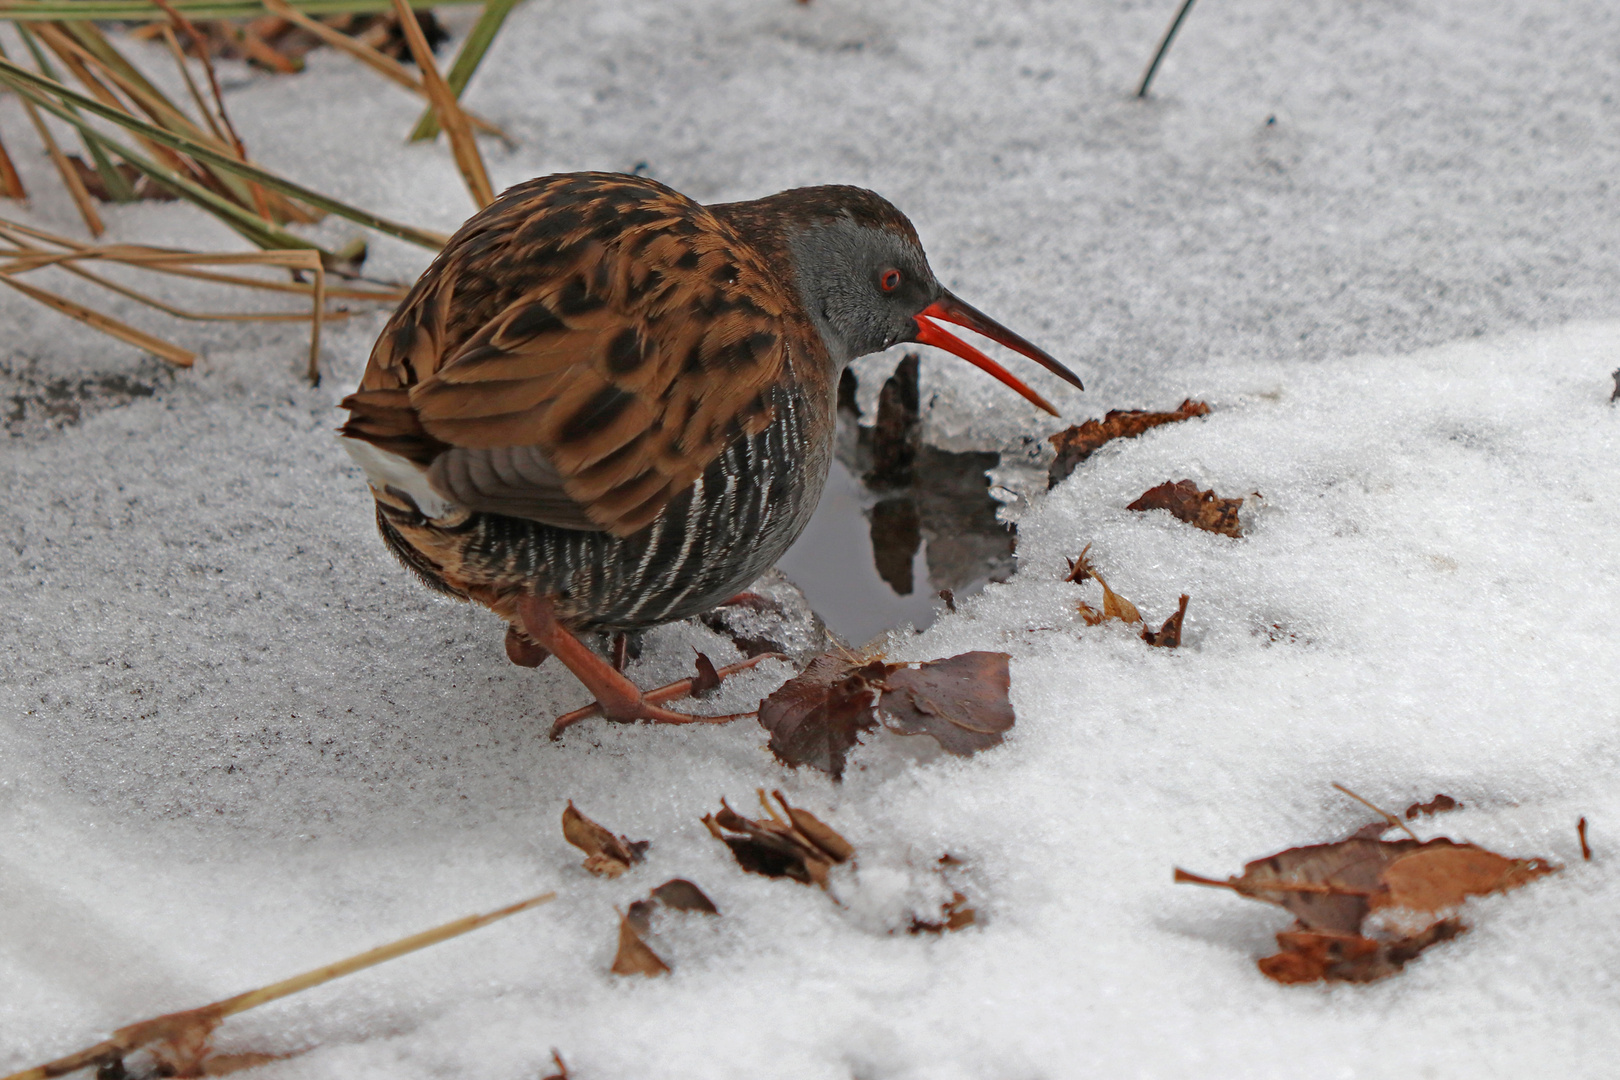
237,741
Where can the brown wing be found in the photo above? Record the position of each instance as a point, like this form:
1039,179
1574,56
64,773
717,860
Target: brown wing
580,352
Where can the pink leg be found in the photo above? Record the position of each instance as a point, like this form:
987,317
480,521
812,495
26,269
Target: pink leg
617,698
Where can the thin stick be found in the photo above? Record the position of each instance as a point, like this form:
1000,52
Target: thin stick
1586,849
106,324
1394,822
463,145
179,55
129,1039
381,63
1164,47
317,313
70,176
466,63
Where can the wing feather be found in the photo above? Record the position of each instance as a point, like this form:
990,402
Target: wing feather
579,353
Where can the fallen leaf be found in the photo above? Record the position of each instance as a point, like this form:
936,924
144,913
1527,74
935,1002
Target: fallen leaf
816,718
1331,889
800,846
607,855
707,680
143,186
634,956
960,701
1114,605
1437,805
1203,509
1309,955
1168,636
954,915
1076,444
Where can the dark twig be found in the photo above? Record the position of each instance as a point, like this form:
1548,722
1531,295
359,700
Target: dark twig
1586,849
1164,46
1615,375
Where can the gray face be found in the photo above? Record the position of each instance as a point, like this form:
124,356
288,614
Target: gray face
863,287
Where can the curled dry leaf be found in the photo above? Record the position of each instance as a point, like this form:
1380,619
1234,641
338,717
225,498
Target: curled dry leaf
800,846
707,680
1437,805
954,914
1203,509
606,855
1168,636
1076,444
817,718
1116,606
634,955
1331,889
960,701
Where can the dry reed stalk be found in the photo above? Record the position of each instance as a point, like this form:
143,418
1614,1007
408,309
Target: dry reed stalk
25,256
70,176
193,1025
479,39
463,144
382,64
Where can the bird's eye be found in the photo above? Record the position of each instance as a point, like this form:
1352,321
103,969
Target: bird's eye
890,280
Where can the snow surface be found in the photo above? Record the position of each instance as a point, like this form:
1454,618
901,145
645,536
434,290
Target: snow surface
238,741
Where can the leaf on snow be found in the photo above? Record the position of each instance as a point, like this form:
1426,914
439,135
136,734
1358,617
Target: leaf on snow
1167,636
1437,805
816,718
1331,889
1076,444
634,956
607,855
954,914
800,846
707,680
960,701
1203,509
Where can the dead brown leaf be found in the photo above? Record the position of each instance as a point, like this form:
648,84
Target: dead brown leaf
1168,636
1076,444
145,188
1331,889
799,846
1437,805
816,718
634,956
960,701
1203,509
954,914
606,855
707,680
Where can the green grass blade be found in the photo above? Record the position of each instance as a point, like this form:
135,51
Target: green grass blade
143,11
21,78
111,178
467,61
249,224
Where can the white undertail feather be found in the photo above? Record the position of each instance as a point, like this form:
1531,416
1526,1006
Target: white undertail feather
388,470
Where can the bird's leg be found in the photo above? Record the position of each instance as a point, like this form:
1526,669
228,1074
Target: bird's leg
617,698
621,650
523,652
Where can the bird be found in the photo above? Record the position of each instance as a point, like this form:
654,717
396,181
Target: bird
605,406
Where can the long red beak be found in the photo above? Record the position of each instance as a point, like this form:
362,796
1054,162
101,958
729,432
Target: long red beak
949,308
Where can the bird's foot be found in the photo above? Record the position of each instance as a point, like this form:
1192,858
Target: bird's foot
628,708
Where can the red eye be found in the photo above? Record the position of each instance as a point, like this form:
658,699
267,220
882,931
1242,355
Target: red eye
890,280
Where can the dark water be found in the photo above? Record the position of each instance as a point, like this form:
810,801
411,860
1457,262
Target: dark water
899,521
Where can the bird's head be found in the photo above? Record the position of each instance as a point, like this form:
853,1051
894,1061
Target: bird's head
865,281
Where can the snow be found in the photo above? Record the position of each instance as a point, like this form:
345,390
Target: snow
238,741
